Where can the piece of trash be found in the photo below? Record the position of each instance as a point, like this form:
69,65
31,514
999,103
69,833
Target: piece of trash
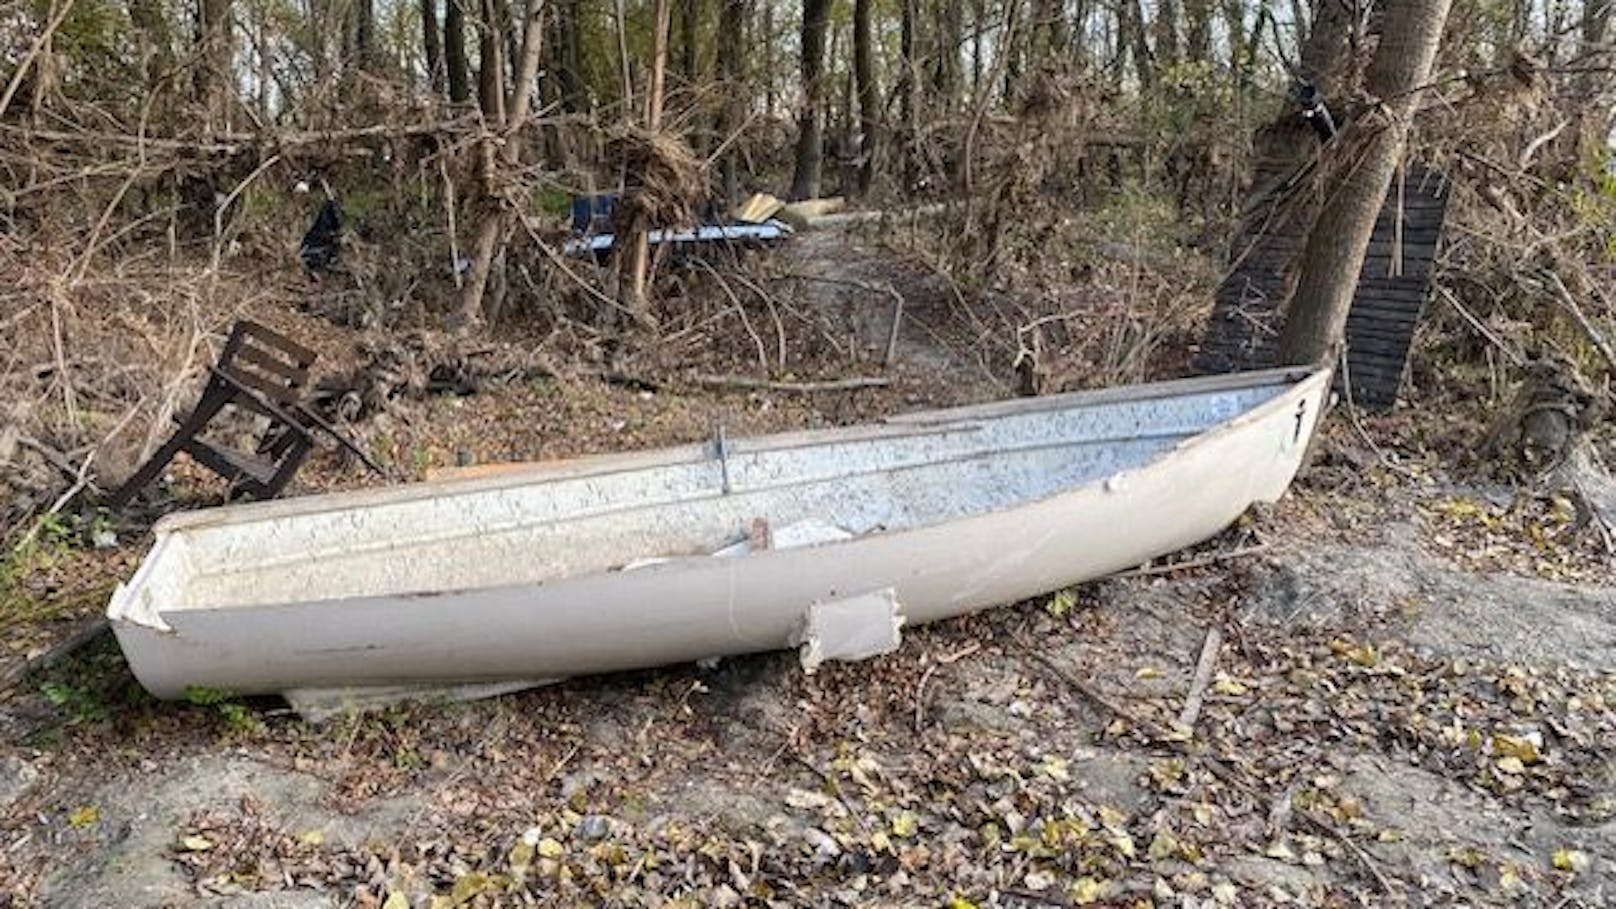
854,628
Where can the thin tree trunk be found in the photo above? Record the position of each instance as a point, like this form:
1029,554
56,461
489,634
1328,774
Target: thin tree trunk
1131,23
689,17
805,179
432,45
869,93
569,55
365,34
1198,32
456,64
1234,19
770,98
491,68
1362,168
1326,55
155,41
217,47
731,22
510,117
1166,29
634,268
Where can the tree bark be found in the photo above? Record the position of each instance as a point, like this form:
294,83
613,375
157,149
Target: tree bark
1131,26
568,55
689,36
491,65
432,44
1360,171
456,64
365,35
633,245
1326,56
1198,31
155,41
731,22
1166,29
869,93
510,119
805,180
217,47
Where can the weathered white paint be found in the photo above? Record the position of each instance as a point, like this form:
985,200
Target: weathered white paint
519,576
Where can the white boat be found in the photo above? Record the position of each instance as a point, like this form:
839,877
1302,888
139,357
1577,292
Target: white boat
826,540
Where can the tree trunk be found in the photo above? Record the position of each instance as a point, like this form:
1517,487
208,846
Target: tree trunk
1234,19
1166,29
432,45
456,64
1360,171
1131,26
568,54
217,48
946,74
805,177
510,117
490,65
365,34
731,22
1327,53
869,93
633,246
689,50
769,97
155,42
1198,34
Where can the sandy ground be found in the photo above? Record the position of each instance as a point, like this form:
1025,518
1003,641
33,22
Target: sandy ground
1409,707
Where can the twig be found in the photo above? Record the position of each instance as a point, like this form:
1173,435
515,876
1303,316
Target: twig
1357,853
1095,695
1203,677
850,384
18,672
920,689
42,39
1506,349
1569,304
1216,557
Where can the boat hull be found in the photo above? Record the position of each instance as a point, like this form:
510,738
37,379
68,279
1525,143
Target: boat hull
691,608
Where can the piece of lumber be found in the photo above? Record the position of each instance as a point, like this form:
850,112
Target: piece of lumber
1203,677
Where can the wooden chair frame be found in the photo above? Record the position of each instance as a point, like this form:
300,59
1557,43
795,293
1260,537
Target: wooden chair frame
259,370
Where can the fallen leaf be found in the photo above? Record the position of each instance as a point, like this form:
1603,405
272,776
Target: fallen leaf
312,838
1573,860
1087,890
396,900
549,848
905,824
195,843
84,816
1523,749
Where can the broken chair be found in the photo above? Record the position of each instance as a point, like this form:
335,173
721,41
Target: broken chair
264,373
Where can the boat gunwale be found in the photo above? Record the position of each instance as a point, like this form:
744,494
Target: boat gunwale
896,426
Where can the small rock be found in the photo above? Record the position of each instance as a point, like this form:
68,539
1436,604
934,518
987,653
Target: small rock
825,846
103,539
17,779
594,827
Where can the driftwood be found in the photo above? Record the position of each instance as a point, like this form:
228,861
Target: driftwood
745,382
1203,677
